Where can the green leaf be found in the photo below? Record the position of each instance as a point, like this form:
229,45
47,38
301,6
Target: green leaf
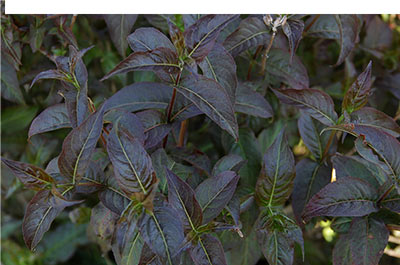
275,182
10,88
212,99
119,27
344,197
229,162
214,193
316,103
79,145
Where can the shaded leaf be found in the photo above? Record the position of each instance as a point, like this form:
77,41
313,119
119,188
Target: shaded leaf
311,177
357,94
275,182
127,243
310,131
365,242
160,59
214,193
324,27
119,27
212,99
208,251
372,117
102,224
31,176
378,38
349,27
344,197
132,165
220,66
229,162
155,125
250,102
112,197
201,36
163,232
293,30
292,73
147,39
79,145
316,103
251,32
182,198
52,118
277,235
40,213
10,88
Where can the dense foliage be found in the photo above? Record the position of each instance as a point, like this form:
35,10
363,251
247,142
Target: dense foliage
200,139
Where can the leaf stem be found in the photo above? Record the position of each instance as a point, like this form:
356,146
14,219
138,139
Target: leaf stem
182,132
389,190
265,54
259,49
311,23
328,145
171,104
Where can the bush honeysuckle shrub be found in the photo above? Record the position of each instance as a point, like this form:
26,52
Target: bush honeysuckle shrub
218,139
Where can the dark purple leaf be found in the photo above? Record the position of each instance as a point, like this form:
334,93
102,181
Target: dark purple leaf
31,176
252,32
391,202
197,159
214,193
163,233
40,213
277,236
52,118
182,197
50,74
310,131
311,177
190,19
208,250
112,197
160,59
127,243
378,38
316,103
212,99
324,27
252,103
155,125
129,122
357,94
102,224
36,35
132,165
294,73
293,30
349,28
79,145
119,27
148,39
229,162
344,197
372,117
148,257
363,244
274,185
201,36
220,66
351,166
